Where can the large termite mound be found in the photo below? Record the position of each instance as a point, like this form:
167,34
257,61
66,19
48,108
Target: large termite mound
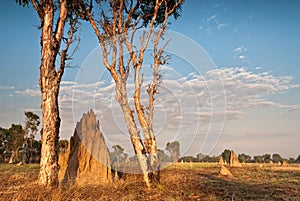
234,161
87,158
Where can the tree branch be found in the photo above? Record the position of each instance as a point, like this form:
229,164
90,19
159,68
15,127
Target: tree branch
60,24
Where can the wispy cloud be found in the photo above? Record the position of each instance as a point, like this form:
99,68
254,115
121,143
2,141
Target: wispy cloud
240,53
183,105
221,25
212,18
29,92
213,22
240,49
4,87
293,108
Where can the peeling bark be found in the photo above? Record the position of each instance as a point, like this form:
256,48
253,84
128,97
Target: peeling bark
140,151
51,38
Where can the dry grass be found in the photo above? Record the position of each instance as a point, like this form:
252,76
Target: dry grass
197,181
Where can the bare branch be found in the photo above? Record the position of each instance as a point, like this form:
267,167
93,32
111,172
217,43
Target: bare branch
38,7
152,89
63,56
103,45
61,21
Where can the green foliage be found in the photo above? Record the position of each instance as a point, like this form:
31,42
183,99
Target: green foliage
4,145
258,159
200,156
13,142
174,149
226,155
244,158
267,158
210,159
187,159
23,2
118,150
16,138
276,158
291,160
32,122
16,135
298,159
146,10
117,156
140,12
162,156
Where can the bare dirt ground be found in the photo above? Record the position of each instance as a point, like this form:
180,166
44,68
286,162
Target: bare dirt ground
195,181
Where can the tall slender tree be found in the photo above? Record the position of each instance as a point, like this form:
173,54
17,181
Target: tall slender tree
119,21
15,140
174,149
55,17
32,122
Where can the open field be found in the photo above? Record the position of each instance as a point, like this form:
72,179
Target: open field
189,181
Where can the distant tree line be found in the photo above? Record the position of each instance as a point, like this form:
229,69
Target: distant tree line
18,143
243,158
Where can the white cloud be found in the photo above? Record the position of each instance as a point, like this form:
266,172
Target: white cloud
240,49
4,87
191,104
242,57
244,89
213,22
221,25
258,68
29,92
294,108
239,53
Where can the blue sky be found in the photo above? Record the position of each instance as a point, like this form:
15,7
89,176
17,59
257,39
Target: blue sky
255,46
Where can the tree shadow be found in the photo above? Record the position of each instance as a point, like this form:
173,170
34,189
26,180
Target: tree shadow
235,188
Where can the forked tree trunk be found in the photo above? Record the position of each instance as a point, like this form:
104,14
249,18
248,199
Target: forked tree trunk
138,146
154,165
149,140
124,20
149,137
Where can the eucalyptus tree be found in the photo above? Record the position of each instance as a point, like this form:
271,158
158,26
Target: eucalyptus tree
174,149
32,122
115,23
58,24
15,141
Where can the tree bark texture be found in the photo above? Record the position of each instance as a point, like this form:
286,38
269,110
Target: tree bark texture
138,146
49,86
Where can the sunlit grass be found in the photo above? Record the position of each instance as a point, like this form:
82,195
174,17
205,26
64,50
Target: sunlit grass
184,166
16,168
180,181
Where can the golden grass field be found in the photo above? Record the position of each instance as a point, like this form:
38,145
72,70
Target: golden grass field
187,181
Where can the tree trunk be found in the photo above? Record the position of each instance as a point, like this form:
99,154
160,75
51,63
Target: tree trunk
154,165
48,175
14,156
25,149
149,137
138,146
49,85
